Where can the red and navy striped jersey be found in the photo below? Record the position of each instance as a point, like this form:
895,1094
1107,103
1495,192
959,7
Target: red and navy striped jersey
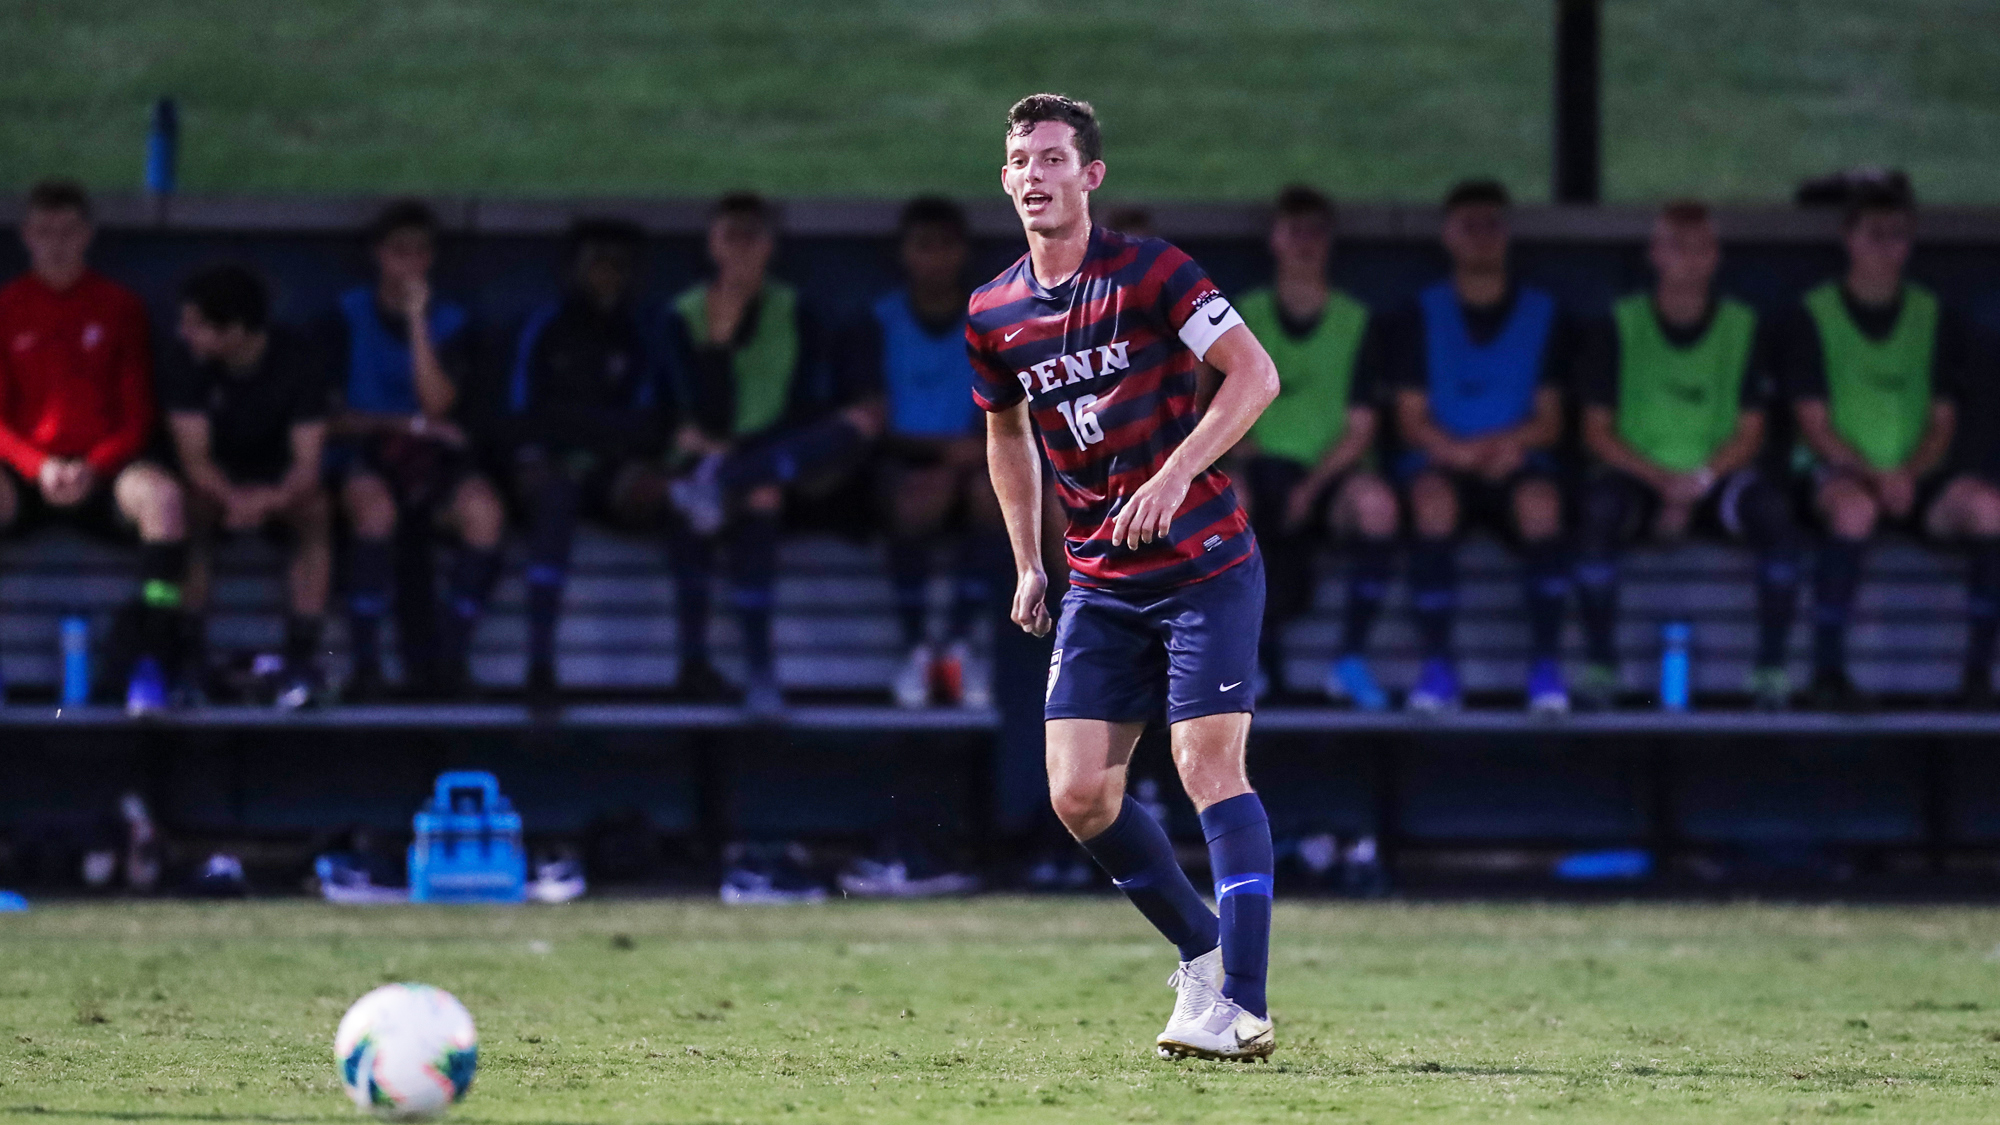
1107,363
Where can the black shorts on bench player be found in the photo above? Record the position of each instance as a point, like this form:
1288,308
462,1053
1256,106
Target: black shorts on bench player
1308,468
1676,387
404,466
584,422
1478,361
246,404
1874,367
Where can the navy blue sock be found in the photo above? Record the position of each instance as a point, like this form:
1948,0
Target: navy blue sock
1777,604
693,560
1239,853
754,575
371,567
1982,611
1834,587
984,562
1367,588
909,581
1434,593
545,595
473,574
1597,597
1546,576
1137,855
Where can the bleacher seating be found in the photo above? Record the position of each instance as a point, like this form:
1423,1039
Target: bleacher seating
836,633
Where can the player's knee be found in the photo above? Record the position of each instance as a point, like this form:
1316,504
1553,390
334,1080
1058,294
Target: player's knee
311,515
1433,508
154,501
369,507
1374,508
1850,512
480,516
1982,512
765,500
1537,510
10,502
1085,807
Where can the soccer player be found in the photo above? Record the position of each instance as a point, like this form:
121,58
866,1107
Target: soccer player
400,359
1477,362
1091,341
583,414
247,408
758,409
76,408
932,458
1873,367
1307,461
1674,388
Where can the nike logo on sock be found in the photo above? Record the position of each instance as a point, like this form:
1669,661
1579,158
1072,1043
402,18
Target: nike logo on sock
1217,318
1227,887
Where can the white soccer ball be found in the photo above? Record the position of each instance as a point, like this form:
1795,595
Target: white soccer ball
406,1052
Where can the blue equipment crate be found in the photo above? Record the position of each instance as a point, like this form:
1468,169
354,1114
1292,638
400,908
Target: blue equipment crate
468,843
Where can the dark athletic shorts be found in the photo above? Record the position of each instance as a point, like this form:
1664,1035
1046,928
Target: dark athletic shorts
96,515
1126,656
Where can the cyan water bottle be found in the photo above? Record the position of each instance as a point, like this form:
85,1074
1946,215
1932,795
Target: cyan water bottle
1674,666
75,661
163,144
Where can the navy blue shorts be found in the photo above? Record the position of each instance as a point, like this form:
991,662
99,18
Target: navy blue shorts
1123,656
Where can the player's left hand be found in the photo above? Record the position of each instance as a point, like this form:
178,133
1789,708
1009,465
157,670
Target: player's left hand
1149,514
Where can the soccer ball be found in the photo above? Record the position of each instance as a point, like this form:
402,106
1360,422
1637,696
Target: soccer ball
406,1052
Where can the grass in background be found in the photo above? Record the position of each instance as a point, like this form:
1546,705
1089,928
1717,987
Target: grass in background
1376,99
1014,1011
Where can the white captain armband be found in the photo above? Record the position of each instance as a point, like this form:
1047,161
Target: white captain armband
1207,323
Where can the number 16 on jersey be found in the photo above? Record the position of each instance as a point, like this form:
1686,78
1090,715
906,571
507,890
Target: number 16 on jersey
1082,419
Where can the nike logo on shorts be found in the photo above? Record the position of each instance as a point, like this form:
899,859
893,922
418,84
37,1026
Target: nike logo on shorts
1237,684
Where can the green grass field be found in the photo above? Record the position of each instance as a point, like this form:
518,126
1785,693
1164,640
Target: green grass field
1376,99
1007,1010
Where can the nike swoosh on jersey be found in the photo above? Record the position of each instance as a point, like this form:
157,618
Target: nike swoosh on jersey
1010,335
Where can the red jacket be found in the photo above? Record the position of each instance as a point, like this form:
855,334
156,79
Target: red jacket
76,374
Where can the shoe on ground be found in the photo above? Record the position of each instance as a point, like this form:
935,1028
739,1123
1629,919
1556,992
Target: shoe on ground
1437,691
346,882
1349,678
1226,1032
698,497
1198,983
1770,689
146,692
759,876
556,880
975,675
699,682
1547,694
762,697
868,878
912,686
1832,690
1596,688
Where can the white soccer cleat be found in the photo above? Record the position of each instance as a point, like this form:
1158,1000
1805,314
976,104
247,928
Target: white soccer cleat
1226,1032
1198,982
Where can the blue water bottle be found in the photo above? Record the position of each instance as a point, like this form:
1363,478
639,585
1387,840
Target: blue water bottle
163,144
75,661
1674,666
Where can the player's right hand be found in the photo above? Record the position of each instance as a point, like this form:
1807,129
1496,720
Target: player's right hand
1031,603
